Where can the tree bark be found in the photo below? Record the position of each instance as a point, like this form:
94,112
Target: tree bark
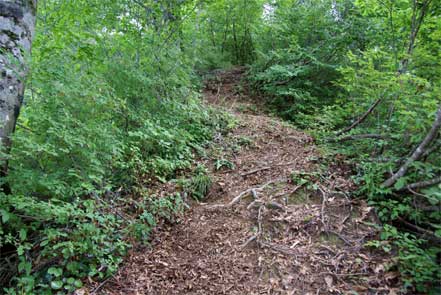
418,152
422,184
17,26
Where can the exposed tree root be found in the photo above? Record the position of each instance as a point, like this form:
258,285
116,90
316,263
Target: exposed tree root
288,238
254,191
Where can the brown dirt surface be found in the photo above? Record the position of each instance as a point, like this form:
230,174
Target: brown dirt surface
276,220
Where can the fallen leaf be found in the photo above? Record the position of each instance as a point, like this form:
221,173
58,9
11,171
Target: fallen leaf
329,281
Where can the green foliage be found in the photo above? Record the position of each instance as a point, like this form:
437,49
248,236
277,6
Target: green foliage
417,265
199,185
111,105
302,178
74,240
302,48
221,163
322,64
225,35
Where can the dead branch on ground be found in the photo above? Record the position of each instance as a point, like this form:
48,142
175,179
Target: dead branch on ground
422,232
422,184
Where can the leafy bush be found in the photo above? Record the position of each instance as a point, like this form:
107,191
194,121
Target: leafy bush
98,126
199,185
322,64
417,265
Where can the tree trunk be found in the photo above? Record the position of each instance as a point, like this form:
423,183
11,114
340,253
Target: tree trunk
17,24
417,21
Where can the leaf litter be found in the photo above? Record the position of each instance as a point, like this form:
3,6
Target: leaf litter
272,223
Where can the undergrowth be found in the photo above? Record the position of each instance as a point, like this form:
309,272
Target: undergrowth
322,65
99,126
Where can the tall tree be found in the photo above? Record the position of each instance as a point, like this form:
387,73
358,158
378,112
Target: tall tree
17,24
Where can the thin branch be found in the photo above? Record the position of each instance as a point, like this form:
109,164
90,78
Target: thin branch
415,28
424,233
94,291
430,150
418,152
422,184
24,127
361,119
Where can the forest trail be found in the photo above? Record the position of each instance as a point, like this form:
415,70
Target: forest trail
274,222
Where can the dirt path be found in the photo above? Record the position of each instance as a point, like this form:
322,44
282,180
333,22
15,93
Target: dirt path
289,230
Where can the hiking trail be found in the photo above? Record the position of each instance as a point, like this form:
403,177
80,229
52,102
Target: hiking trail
275,221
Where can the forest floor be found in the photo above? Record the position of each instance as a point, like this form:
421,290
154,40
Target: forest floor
276,220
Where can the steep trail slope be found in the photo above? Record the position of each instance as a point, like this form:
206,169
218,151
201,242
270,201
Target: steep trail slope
274,222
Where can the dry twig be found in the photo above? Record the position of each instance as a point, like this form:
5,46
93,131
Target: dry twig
361,119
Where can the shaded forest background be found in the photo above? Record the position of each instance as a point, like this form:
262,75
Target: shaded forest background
112,105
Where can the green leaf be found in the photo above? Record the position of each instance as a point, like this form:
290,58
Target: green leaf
56,285
400,183
55,271
78,284
22,234
20,250
5,215
25,267
70,281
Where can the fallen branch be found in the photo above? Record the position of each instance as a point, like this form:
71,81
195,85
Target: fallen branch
417,193
255,203
269,205
418,152
256,237
250,240
423,184
361,119
424,233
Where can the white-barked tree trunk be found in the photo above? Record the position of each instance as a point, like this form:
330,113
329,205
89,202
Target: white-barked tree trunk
17,26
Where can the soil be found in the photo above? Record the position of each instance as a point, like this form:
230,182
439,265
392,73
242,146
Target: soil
277,220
